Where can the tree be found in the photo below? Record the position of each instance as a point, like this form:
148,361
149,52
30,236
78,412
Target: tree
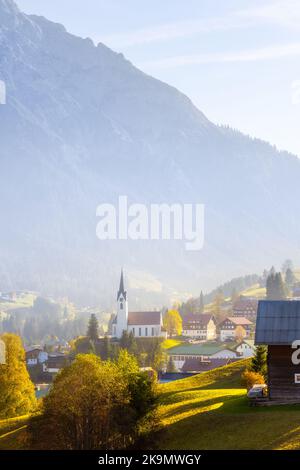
17,394
240,333
234,295
287,264
94,404
250,378
201,303
83,345
259,361
275,287
171,365
290,278
217,304
128,342
173,323
93,328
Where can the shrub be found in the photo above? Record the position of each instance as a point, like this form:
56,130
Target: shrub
250,378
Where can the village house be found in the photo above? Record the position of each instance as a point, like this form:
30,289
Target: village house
199,326
245,307
202,352
35,356
245,348
277,327
148,324
234,327
55,363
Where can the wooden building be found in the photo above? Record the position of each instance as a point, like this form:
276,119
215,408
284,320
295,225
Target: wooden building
278,326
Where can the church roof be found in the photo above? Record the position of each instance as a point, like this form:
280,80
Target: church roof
144,318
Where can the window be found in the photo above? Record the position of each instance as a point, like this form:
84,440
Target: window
133,331
140,331
153,334
146,331
121,306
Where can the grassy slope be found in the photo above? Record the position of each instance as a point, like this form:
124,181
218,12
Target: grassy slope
211,411
12,432
171,343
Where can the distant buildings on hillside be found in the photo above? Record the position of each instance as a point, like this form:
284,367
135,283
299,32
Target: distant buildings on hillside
206,356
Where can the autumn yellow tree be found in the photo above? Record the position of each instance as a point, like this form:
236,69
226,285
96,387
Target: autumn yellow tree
173,323
96,404
17,395
240,333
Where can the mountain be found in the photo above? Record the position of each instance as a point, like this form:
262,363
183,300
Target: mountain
81,126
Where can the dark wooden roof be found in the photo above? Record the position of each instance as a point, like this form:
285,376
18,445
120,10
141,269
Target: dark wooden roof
278,322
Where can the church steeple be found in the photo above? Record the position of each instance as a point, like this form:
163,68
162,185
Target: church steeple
122,310
122,292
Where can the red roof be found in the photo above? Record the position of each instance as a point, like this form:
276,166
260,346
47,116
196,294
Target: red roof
144,318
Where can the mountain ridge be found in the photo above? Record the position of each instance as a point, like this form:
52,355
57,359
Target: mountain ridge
82,126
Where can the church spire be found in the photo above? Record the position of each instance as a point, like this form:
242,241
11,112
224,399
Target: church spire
121,290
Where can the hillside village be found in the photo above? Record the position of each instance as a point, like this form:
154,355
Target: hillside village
185,340
222,345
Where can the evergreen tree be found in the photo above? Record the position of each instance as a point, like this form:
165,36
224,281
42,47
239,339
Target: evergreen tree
290,278
280,287
93,328
276,288
234,295
107,349
259,361
288,264
201,303
171,365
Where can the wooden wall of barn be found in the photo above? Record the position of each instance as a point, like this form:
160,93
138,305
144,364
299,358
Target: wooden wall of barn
281,374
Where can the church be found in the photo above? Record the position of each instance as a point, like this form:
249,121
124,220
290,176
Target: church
141,324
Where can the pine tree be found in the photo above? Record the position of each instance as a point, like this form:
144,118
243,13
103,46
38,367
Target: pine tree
290,278
234,295
107,349
276,288
171,365
201,303
93,328
281,290
259,361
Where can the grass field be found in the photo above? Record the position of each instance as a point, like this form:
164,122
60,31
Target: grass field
171,343
12,433
255,291
211,411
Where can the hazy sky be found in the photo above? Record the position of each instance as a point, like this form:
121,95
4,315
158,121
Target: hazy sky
238,60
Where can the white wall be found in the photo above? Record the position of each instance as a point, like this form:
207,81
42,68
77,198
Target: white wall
140,331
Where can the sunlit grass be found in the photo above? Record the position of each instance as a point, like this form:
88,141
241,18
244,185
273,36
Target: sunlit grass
211,411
